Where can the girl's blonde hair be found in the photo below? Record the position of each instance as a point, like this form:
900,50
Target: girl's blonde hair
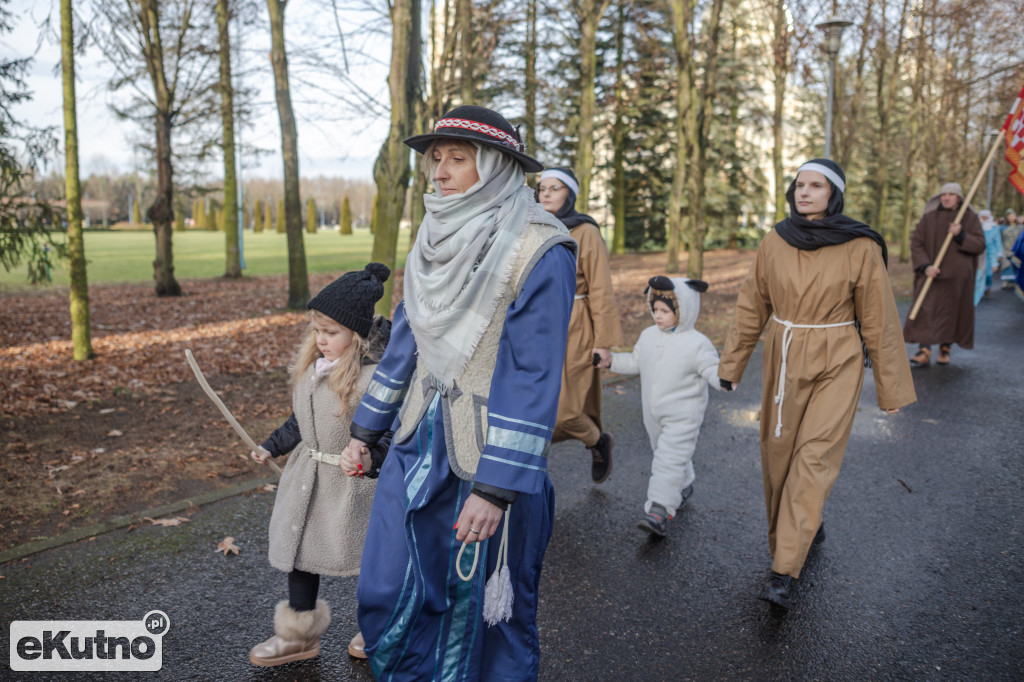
344,375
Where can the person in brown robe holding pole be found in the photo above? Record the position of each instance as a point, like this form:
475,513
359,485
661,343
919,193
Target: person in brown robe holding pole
946,315
593,328
817,277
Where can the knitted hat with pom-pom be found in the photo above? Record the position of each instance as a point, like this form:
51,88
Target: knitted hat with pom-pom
350,299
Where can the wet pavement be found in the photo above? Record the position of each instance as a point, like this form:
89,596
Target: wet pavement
921,575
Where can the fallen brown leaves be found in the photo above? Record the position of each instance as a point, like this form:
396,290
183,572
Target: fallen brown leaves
131,428
233,326
176,521
227,545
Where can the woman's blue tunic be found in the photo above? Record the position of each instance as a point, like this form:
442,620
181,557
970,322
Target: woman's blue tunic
419,619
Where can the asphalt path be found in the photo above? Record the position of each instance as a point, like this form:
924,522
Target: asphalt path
921,575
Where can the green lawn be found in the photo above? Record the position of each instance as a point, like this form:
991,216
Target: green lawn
123,256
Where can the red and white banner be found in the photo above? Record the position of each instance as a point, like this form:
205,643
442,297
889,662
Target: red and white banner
1014,136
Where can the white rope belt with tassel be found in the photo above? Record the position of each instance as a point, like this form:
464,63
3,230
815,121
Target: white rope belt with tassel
325,457
498,591
787,338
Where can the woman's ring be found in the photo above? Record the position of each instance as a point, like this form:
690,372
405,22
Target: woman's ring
474,530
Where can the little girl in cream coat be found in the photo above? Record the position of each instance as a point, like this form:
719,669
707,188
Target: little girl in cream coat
320,516
676,364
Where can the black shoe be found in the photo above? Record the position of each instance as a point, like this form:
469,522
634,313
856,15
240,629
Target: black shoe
819,537
781,590
601,466
655,521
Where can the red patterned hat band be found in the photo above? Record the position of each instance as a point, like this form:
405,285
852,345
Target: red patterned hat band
476,126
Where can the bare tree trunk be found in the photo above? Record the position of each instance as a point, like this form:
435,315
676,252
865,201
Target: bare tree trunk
530,76
886,101
298,280
680,11
431,107
699,146
592,12
81,332
618,244
464,18
847,139
391,170
913,142
232,259
420,181
161,213
780,72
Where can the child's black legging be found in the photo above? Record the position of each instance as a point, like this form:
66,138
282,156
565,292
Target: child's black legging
302,590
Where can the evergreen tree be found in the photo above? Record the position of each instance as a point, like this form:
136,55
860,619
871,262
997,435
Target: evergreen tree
210,216
310,216
136,213
179,217
257,216
647,94
345,222
280,217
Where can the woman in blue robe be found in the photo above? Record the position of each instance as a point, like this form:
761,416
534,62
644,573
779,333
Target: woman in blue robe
469,384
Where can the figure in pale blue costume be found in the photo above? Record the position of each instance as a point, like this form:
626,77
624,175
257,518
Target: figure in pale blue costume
469,384
990,259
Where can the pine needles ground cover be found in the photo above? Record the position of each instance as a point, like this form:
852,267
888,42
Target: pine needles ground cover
119,256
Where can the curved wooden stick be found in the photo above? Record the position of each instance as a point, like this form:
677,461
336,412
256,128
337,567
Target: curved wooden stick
223,408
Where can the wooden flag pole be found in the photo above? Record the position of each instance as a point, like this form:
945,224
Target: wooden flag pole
959,216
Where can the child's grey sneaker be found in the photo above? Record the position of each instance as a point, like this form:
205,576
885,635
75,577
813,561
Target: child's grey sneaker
687,491
655,521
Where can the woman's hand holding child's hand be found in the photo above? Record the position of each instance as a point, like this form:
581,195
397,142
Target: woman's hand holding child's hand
728,385
355,460
261,456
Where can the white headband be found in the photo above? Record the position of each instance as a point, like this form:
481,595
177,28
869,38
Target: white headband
827,172
565,178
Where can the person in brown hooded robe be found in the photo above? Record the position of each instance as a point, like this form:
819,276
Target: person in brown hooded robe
816,276
593,329
947,313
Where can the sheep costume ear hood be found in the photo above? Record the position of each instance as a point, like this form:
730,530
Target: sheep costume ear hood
681,293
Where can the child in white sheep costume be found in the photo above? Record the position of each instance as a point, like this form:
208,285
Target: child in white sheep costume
676,364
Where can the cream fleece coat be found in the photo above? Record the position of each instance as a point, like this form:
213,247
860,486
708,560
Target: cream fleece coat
675,367
320,515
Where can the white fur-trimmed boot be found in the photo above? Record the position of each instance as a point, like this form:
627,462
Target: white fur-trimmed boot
296,635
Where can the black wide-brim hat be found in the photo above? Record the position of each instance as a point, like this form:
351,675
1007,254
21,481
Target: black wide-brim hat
480,125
